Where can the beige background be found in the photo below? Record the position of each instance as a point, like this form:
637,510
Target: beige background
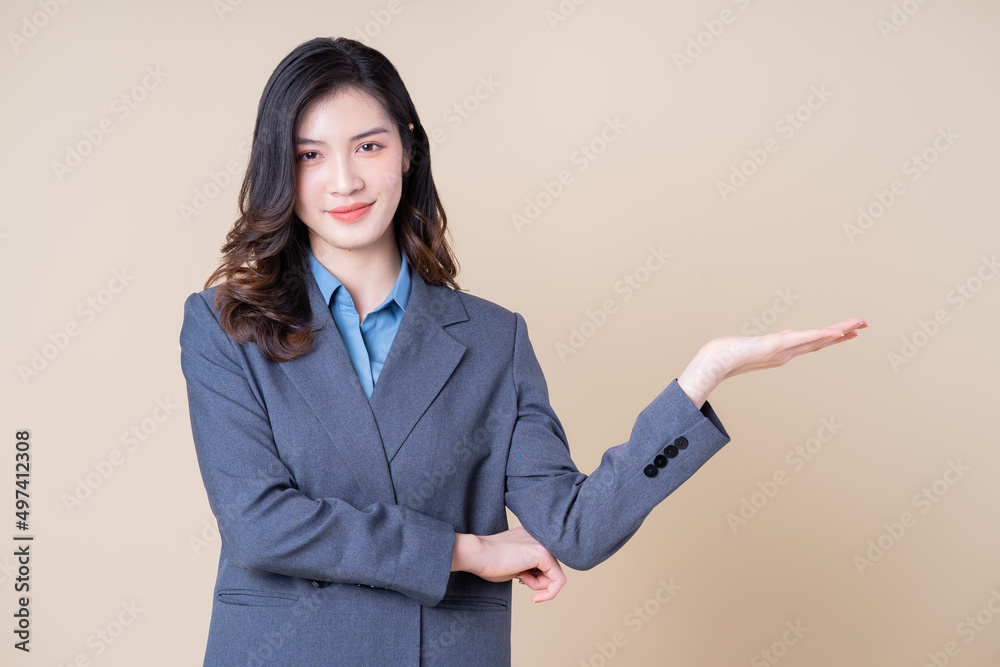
144,537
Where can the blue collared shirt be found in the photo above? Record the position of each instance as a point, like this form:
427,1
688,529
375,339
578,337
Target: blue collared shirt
367,342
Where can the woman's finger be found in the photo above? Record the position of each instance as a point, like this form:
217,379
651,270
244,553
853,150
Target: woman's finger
820,342
555,580
850,325
549,583
834,333
800,342
812,346
529,579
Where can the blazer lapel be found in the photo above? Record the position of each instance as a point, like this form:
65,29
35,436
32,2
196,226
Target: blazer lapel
421,359
326,379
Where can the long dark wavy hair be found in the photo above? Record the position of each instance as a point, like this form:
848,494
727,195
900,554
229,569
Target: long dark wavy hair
263,296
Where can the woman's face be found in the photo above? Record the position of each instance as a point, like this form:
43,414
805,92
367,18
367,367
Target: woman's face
348,154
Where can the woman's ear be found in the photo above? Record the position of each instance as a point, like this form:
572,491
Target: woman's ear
406,158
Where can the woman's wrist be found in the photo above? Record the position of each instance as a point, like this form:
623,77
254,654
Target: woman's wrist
465,553
701,377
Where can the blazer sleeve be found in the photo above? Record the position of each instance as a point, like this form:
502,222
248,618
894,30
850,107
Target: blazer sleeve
265,522
583,519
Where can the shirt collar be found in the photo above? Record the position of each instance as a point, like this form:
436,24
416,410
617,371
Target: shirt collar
328,283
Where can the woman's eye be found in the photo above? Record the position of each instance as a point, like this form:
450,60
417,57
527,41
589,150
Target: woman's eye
308,155
371,145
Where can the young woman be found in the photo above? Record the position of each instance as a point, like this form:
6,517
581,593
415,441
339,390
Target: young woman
361,424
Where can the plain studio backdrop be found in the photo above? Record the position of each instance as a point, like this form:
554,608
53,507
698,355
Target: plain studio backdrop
635,178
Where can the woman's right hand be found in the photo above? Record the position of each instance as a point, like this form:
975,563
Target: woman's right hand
504,556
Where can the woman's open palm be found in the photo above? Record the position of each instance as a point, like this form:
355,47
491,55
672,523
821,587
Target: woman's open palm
728,356
750,353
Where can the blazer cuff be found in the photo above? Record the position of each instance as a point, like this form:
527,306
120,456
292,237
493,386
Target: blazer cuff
674,406
424,566
704,435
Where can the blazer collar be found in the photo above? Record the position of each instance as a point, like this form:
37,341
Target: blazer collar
421,359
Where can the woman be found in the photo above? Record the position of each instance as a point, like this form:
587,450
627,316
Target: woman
361,424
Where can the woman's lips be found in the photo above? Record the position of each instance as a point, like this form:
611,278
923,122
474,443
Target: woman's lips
347,214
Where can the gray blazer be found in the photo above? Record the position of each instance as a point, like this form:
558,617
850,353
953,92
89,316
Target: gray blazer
337,515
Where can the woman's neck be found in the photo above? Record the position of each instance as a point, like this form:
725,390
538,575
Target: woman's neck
368,275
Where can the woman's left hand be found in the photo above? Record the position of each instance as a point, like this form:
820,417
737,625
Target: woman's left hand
728,356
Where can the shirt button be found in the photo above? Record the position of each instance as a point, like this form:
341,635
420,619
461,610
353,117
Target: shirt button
651,470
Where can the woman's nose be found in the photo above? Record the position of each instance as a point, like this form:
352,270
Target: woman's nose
343,176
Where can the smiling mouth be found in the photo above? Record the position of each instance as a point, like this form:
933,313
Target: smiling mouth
350,213
351,207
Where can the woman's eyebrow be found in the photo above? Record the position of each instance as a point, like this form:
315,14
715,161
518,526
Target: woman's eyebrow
375,130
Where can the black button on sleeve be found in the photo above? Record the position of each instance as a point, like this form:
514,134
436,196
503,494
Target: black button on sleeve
681,442
670,451
650,470
660,461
